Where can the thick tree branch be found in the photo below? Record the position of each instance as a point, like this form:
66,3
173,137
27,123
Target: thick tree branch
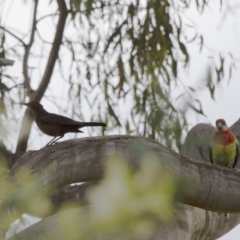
195,147
62,164
207,225
37,95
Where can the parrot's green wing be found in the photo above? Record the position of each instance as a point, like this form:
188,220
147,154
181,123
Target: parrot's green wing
210,151
237,154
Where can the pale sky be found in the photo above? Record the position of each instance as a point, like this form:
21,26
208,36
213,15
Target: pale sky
218,35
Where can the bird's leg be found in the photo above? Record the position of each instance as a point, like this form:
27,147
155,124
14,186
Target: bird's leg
56,139
50,142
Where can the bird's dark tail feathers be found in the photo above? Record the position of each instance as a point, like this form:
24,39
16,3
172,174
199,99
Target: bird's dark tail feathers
93,124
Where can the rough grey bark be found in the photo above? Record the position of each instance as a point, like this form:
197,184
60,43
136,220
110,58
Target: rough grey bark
62,164
208,225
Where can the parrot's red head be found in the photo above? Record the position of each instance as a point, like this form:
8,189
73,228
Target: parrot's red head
221,125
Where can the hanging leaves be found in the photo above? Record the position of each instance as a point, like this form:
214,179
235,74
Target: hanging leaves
125,59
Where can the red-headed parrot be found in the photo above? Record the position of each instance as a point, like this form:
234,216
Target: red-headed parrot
224,149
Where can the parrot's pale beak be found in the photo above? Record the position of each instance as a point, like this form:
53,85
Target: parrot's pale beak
219,126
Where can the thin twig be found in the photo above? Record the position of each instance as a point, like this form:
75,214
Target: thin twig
49,15
13,35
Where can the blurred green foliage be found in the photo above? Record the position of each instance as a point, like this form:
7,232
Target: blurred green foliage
126,204
20,194
131,204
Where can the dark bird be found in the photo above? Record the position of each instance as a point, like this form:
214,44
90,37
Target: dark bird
57,125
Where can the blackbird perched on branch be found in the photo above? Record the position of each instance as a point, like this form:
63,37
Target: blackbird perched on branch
57,125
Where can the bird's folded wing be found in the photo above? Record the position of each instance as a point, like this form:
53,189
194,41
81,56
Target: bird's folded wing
52,118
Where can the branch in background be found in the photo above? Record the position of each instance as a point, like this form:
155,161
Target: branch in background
38,94
27,51
13,35
54,51
6,62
